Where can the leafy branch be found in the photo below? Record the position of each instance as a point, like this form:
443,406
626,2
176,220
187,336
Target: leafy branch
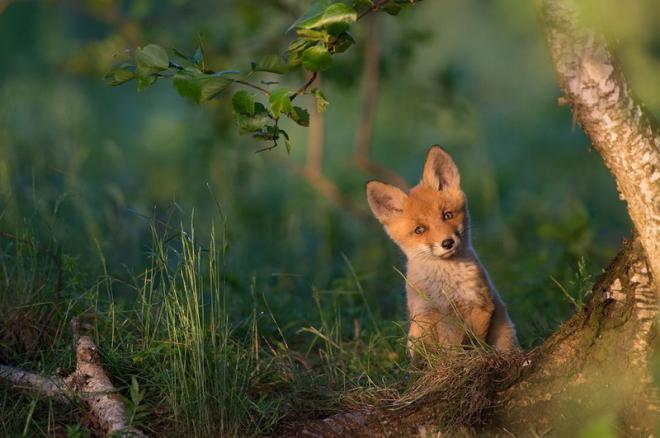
321,32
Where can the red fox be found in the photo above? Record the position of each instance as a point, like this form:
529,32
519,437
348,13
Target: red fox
450,296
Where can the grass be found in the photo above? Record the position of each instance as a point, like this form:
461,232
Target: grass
200,346
189,354
194,356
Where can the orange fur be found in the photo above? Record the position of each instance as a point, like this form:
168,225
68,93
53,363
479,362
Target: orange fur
450,296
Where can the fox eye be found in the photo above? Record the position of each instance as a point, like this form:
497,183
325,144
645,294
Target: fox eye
420,230
447,215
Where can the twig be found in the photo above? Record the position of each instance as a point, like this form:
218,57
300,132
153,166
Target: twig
267,148
376,6
304,88
328,189
249,84
315,138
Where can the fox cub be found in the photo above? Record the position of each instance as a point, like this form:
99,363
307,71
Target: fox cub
449,293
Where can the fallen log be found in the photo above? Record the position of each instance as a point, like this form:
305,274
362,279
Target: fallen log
88,383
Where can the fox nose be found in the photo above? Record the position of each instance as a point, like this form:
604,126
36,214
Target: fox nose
447,243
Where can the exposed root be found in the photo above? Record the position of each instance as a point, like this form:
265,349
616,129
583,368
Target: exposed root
457,392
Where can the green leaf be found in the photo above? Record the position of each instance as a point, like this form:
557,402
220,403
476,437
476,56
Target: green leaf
392,8
119,76
198,86
287,144
254,122
317,58
336,29
145,81
280,102
318,16
295,52
313,35
315,11
243,103
151,59
136,394
321,101
271,133
271,63
299,45
300,116
342,43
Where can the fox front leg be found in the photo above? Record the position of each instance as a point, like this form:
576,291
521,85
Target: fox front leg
477,321
432,329
422,332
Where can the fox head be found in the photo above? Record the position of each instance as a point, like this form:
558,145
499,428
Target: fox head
431,221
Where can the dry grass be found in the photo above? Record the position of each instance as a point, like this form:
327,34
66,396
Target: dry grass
465,382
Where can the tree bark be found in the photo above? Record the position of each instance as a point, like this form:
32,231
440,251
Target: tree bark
597,364
620,128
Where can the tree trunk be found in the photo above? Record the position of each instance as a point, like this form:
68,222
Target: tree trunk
624,133
597,363
597,366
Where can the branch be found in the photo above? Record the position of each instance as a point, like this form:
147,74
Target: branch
304,88
250,84
53,387
624,133
376,6
328,189
365,128
315,138
89,382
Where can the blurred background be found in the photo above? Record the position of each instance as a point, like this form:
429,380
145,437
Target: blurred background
96,171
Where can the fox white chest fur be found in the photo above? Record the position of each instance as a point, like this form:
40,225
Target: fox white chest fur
450,296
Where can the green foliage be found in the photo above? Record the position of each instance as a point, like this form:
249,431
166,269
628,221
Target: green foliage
325,13
272,64
300,116
317,58
151,59
581,285
135,409
243,103
321,101
255,121
200,87
321,32
122,74
280,102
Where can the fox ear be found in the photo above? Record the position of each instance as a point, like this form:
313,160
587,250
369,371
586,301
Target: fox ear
440,171
386,201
